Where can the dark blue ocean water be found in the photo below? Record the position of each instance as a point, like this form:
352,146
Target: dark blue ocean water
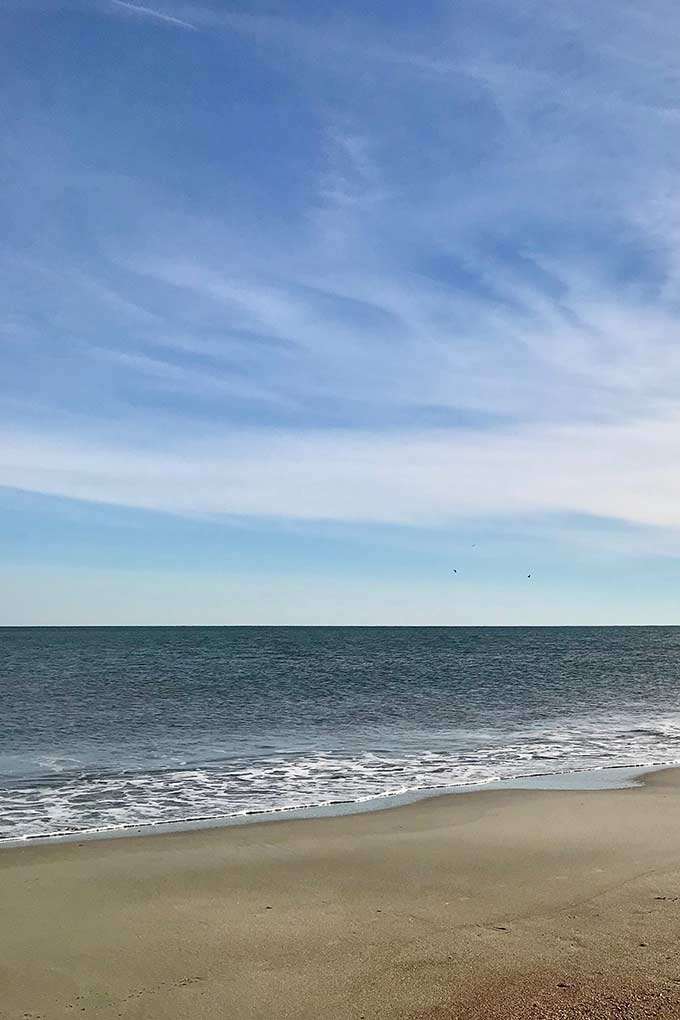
107,727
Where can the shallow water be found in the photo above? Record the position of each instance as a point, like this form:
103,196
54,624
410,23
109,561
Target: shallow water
109,727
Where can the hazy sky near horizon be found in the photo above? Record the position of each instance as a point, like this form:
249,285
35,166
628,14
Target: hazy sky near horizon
303,305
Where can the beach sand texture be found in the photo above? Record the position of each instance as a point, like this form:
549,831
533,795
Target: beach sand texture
492,904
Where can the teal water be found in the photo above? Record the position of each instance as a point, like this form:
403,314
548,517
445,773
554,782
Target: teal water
108,727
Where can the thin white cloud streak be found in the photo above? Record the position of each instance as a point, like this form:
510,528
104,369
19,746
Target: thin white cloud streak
149,12
620,472
163,375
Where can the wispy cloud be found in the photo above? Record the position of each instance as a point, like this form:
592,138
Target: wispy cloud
353,270
149,12
617,472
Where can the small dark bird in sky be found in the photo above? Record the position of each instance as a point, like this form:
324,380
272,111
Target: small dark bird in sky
455,571
528,575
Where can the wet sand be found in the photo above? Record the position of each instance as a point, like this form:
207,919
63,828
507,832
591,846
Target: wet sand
494,904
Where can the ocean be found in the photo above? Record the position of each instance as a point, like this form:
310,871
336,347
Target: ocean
111,727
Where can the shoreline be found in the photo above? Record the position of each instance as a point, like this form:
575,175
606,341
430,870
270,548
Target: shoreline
573,779
501,903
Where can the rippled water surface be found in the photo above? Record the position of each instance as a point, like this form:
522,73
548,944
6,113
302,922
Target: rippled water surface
106,727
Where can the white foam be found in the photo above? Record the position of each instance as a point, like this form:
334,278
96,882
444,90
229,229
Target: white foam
65,800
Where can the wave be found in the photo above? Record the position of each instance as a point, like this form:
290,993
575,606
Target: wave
70,800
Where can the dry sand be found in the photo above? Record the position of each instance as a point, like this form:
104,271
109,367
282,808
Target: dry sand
496,904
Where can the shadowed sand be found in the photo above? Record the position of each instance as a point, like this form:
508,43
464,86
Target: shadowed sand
494,904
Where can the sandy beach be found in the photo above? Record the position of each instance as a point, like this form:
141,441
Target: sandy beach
493,904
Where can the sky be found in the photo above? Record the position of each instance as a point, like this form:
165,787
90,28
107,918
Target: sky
305,305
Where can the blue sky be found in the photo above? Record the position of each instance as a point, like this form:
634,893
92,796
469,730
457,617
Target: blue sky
303,305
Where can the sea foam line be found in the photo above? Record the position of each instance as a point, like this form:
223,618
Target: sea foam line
308,810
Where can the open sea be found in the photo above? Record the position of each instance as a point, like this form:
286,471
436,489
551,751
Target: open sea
105,728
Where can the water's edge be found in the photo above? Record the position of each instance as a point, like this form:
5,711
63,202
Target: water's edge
608,777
